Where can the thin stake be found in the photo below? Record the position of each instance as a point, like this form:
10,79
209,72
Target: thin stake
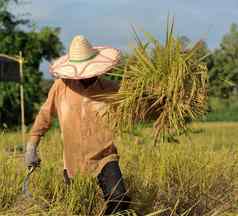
22,100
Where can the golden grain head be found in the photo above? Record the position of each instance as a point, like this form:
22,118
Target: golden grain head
163,83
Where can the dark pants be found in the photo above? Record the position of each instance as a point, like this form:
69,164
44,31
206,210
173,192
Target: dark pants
111,182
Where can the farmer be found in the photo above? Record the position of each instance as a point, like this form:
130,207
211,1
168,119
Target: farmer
88,141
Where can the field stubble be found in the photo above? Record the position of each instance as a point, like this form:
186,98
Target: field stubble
197,176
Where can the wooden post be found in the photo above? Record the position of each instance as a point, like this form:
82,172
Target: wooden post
22,101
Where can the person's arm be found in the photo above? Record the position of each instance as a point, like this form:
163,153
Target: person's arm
40,127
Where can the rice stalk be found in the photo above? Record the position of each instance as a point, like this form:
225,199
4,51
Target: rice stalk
161,83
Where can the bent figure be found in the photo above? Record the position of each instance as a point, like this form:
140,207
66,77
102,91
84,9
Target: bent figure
87,137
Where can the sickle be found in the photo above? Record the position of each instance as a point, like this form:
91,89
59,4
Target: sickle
27,193
25,187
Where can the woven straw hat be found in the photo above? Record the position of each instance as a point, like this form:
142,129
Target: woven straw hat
84,61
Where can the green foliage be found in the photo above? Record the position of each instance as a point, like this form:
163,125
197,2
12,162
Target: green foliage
35,46
221,109
224,66
4,4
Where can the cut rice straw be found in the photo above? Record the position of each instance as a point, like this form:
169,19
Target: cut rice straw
165,84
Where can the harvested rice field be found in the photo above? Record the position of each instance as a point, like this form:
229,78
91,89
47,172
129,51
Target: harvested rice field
195,175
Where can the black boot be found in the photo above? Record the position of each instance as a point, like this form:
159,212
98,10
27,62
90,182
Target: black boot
111,182
67,180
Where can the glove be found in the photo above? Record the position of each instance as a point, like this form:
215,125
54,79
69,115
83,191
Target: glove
31,157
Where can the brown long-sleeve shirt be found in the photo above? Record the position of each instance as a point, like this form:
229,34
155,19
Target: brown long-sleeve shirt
88,141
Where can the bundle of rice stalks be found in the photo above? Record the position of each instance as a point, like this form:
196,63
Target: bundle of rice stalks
163,83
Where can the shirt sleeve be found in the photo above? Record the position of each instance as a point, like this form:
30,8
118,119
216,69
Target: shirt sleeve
43,119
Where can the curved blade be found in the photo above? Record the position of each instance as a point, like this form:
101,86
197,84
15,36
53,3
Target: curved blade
25,187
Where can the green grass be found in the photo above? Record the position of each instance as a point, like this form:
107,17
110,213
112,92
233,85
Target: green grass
196,176
223,109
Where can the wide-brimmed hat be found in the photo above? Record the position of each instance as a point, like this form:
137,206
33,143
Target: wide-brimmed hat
85,61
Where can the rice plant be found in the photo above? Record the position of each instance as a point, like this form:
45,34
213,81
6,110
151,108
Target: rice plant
161,82
198,177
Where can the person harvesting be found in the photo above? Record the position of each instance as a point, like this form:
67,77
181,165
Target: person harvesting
88,139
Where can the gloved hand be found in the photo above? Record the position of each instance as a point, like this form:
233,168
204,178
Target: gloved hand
31,157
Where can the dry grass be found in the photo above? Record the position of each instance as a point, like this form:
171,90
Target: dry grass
197,176
162,82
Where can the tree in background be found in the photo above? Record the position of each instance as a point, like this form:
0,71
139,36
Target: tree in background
224,66
35,46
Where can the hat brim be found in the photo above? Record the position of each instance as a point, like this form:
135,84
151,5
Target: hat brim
105,60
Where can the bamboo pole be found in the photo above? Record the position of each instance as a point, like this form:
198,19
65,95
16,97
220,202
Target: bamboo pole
22,100
20,60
